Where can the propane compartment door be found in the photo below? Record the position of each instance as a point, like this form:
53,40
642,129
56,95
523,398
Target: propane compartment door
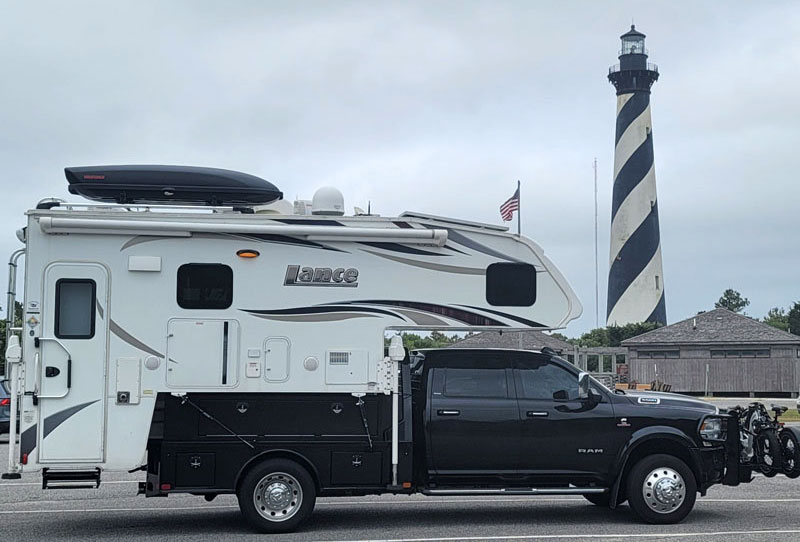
202,353
276,356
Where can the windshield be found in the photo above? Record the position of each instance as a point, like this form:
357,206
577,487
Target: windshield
4,387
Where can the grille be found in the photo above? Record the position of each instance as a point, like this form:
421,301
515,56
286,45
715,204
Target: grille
339,358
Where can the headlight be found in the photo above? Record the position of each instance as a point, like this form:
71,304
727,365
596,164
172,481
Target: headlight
711,429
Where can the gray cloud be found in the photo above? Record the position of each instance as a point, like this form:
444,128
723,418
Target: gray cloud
436,107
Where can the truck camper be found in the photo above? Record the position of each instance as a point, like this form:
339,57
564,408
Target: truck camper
187,324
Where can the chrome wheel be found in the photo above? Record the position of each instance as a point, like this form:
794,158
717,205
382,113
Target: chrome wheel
278,496
664,490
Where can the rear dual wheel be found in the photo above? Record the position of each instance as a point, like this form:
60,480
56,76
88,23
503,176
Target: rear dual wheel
277,496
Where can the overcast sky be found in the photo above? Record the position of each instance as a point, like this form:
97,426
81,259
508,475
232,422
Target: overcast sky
436,107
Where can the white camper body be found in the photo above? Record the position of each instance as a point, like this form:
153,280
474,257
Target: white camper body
123,303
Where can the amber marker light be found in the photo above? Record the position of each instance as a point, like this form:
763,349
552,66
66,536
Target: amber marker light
248,253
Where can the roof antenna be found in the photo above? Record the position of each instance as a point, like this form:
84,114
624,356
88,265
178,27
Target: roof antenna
369,207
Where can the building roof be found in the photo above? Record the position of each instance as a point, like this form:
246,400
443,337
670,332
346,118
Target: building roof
716,326
531,340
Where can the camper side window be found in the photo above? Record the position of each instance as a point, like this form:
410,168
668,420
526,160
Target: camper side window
75,308
205,286
511,284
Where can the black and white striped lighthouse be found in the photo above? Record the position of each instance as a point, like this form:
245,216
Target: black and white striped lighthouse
635,277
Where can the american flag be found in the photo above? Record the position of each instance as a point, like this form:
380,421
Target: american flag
511,205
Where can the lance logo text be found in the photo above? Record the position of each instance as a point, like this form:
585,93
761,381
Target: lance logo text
321,276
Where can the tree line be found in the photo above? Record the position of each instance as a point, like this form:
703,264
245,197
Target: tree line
778,317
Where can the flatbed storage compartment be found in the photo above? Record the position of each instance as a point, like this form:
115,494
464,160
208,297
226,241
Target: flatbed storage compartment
193,447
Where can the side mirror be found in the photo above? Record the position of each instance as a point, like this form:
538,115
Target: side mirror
583,386
561,395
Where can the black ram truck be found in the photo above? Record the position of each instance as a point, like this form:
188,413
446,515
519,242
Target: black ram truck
472,422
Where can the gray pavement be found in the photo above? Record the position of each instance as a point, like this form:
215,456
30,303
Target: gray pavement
767,509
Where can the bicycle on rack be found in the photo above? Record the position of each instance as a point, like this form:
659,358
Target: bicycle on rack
767,445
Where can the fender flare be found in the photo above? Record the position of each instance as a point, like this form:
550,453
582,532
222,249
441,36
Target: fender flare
282,453
643,436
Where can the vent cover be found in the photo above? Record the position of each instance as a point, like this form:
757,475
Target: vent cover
338,358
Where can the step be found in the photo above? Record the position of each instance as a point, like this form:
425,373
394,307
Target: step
515,491
70,479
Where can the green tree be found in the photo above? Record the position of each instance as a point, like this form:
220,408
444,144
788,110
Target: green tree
778,318
732,300
614,335
793,319
436,339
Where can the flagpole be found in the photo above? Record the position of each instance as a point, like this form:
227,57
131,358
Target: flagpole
519,211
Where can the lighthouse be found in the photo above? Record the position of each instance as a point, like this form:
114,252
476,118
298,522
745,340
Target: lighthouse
635,277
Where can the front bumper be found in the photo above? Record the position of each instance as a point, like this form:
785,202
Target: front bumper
712,462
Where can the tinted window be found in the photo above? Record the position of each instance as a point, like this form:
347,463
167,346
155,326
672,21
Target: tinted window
205,286
75,309
511,284
475,383
542,380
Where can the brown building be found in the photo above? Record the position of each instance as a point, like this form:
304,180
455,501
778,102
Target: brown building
738,355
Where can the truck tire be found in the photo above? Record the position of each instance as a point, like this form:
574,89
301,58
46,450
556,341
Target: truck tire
661,489
276,496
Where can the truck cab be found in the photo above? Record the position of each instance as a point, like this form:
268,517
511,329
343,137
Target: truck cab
514,421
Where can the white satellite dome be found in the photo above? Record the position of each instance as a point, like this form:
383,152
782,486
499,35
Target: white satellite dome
327,201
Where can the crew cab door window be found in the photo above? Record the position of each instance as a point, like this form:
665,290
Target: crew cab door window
544,380
475,383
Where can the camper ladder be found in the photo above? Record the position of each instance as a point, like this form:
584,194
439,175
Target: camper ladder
70,479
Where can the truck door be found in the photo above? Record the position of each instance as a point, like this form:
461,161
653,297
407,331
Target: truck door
72,363
474,422
563,437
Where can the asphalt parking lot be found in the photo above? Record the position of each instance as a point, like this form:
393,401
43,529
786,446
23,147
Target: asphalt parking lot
767,509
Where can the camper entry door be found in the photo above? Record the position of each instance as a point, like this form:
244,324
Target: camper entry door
72,363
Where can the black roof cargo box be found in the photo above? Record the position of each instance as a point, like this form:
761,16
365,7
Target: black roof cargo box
169,185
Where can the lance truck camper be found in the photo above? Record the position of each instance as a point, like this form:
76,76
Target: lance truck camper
187,325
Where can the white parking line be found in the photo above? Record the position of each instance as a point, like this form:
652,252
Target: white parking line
97,510
202,506
592,536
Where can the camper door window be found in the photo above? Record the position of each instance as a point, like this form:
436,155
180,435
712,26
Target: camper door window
205,286
75,308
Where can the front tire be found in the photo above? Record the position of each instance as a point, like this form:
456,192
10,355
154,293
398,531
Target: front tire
277,496
661,489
